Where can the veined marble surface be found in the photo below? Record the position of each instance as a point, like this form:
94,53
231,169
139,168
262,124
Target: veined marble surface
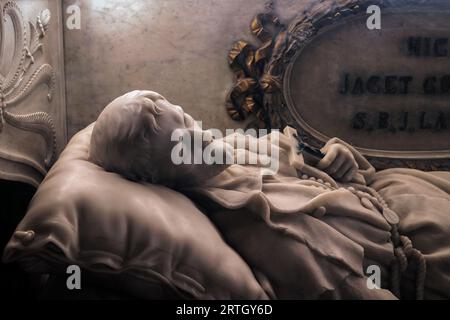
175,47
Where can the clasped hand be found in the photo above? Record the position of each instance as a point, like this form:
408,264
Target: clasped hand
338,162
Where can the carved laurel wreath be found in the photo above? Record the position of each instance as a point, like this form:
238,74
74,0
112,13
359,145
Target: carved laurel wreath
19,81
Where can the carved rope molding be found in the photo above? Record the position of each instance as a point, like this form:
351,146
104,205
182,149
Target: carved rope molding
20,81
260,70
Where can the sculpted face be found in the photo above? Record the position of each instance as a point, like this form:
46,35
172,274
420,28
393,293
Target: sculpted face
148,114
174,118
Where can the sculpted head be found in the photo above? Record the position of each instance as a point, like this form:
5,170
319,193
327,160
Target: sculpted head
132,137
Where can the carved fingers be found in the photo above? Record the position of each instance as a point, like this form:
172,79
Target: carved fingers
338,162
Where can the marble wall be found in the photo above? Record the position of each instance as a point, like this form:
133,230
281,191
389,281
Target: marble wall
175,47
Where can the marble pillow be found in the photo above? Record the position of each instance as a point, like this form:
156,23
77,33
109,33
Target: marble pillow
145,238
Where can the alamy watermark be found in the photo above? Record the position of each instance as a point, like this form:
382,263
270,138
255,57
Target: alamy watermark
373,277
73,281
236,147
73,21
374,20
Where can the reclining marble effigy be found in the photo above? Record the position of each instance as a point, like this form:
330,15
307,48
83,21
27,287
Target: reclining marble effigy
308,231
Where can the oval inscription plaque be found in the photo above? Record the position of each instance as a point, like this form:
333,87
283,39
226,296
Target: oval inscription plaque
385,91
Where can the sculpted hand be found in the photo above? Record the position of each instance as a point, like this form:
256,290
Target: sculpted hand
338,162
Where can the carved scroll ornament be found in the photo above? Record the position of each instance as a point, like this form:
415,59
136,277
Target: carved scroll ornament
23,75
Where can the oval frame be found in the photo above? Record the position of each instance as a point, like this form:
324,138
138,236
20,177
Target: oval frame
278,103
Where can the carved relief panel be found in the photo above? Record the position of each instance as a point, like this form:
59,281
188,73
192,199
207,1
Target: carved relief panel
32,102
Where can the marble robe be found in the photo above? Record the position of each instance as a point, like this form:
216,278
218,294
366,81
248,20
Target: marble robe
307,236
